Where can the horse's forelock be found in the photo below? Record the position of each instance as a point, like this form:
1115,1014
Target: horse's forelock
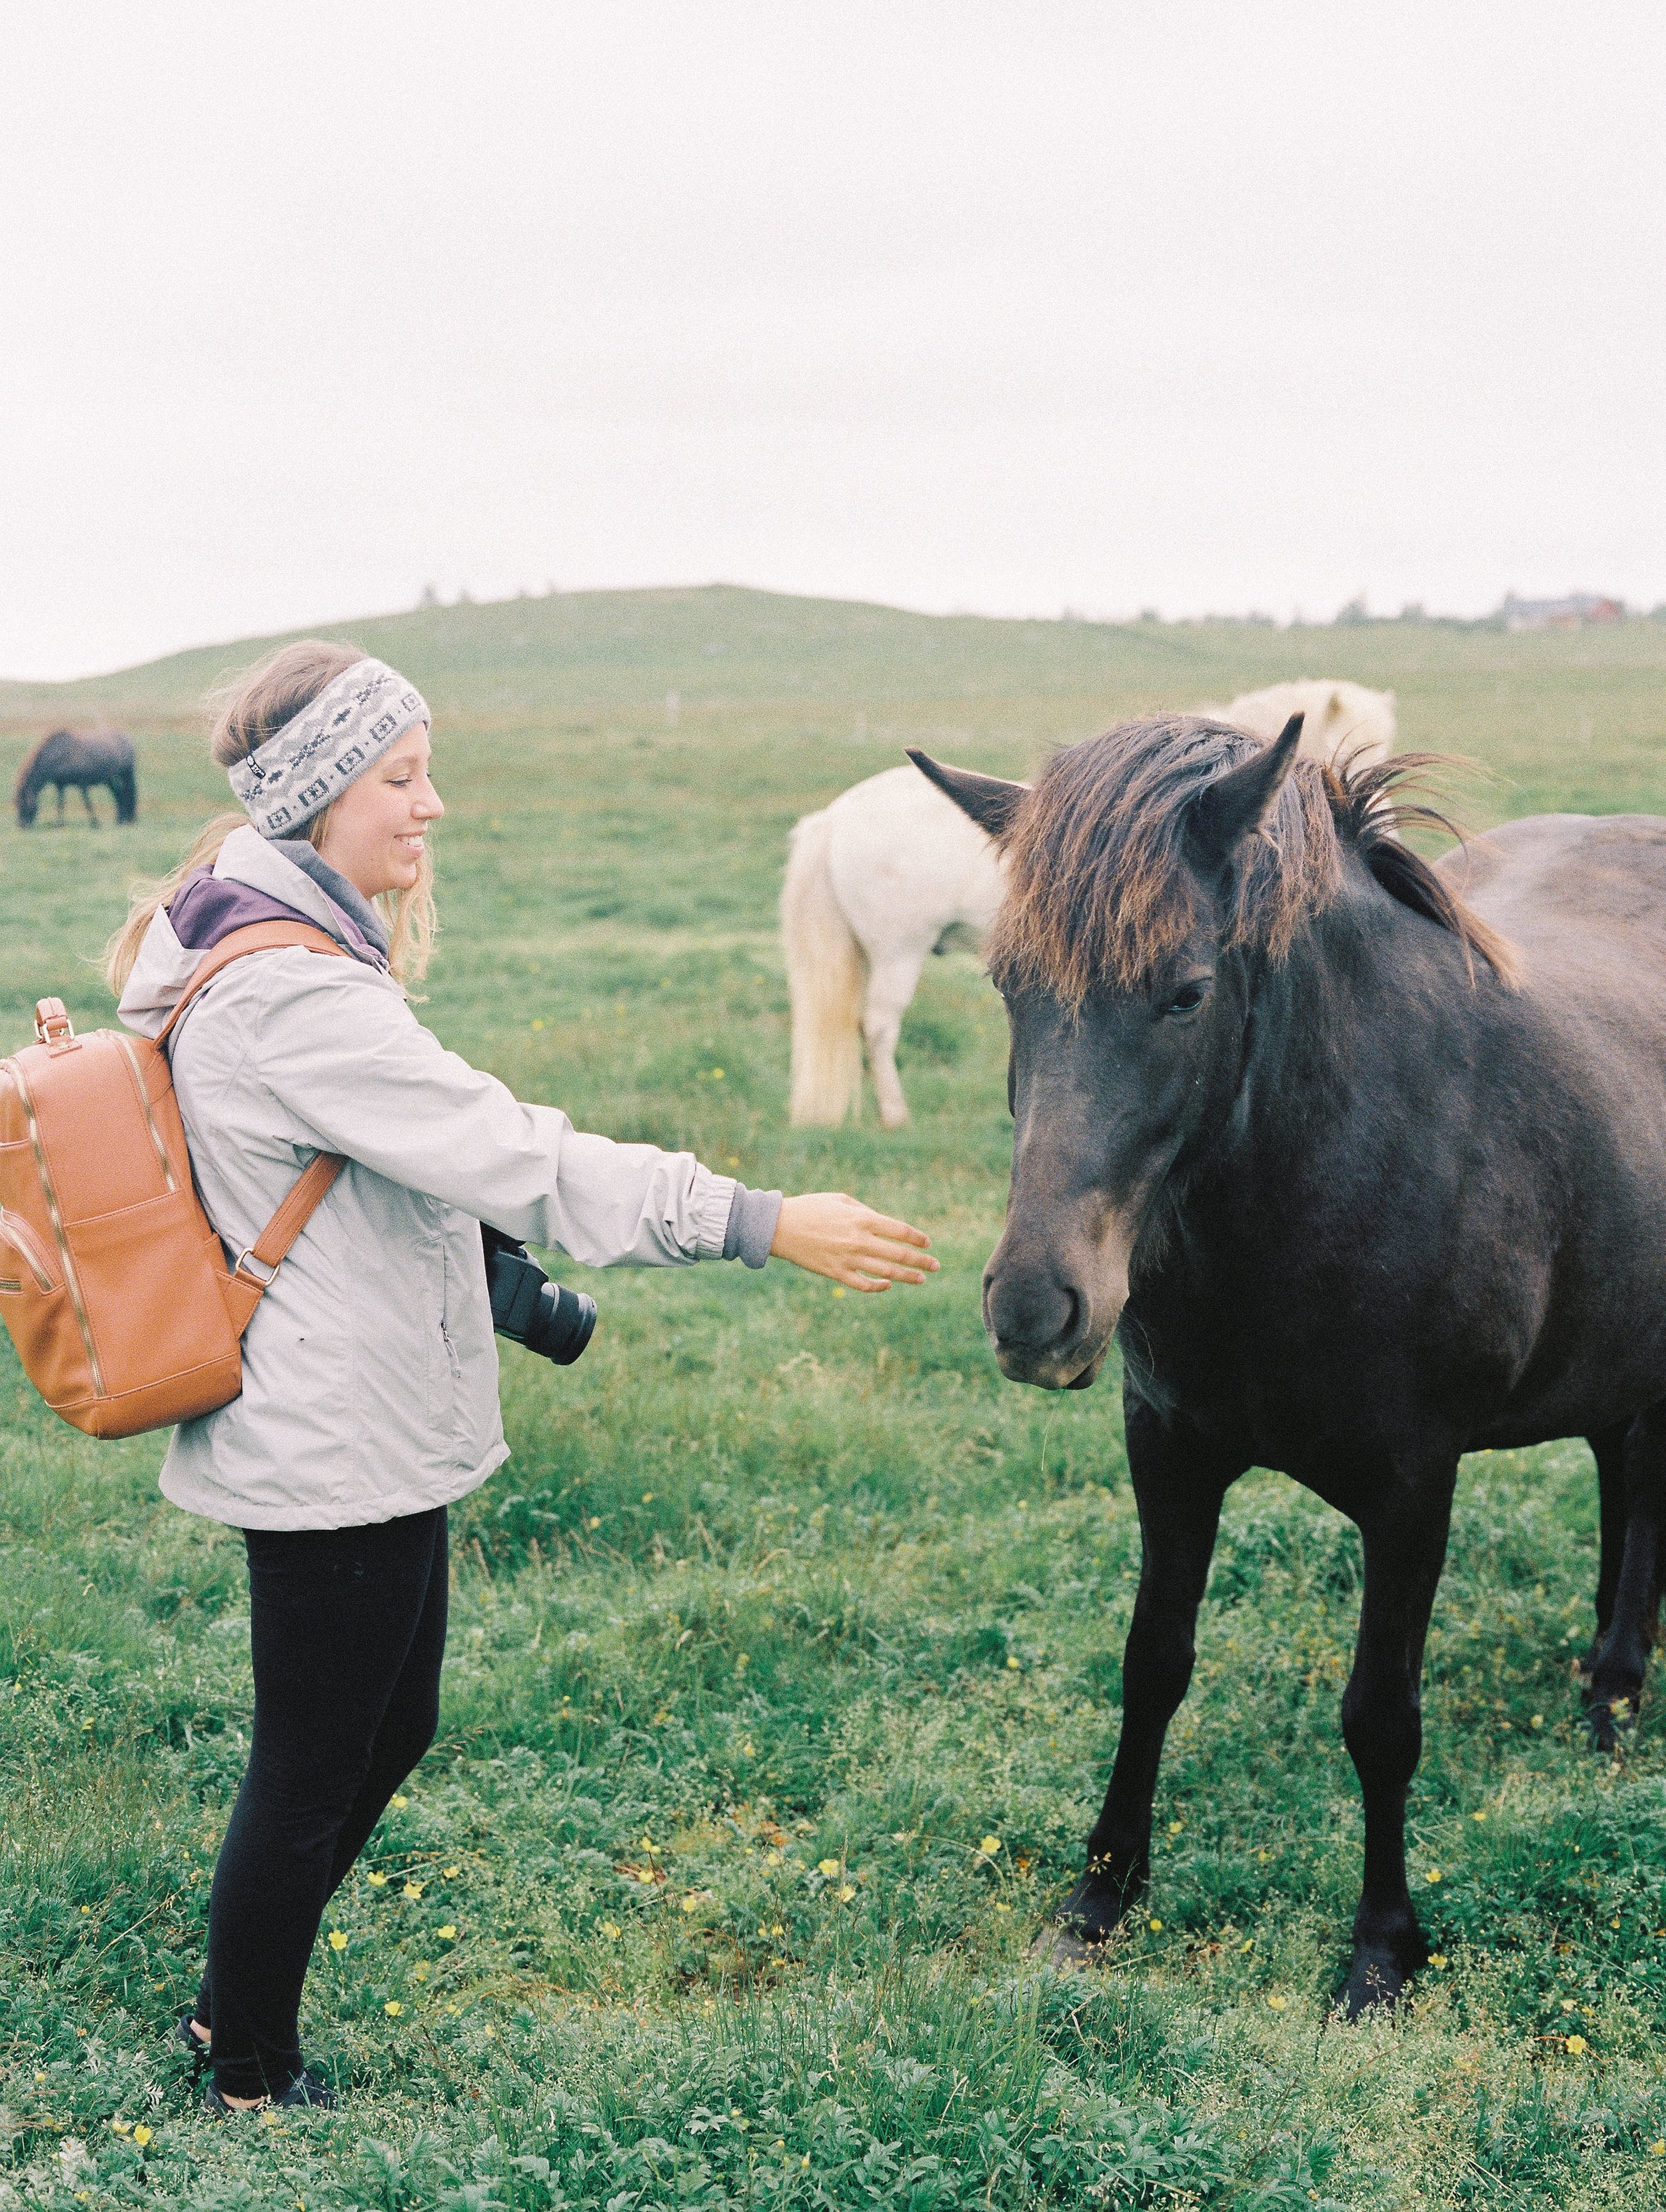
1101,890
1100,887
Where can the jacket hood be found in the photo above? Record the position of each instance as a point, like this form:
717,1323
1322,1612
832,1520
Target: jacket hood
166,963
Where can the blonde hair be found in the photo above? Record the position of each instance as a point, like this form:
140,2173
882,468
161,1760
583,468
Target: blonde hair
246,711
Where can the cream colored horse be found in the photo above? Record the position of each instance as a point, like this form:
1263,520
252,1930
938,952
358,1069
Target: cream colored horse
876,880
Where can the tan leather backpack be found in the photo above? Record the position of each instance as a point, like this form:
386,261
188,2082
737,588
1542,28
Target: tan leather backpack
112,1282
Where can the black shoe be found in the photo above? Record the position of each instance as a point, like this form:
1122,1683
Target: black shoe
185,2034
304,2089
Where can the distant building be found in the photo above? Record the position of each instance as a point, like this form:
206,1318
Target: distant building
1573,612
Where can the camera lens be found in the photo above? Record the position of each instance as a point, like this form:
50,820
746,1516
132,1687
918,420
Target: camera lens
561,1323
545,1316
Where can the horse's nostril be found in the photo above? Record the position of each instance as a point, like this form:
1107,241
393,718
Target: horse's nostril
1033,1312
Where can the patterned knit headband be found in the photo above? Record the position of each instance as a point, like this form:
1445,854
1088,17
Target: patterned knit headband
316,754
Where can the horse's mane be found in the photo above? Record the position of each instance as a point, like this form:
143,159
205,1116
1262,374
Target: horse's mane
1099,886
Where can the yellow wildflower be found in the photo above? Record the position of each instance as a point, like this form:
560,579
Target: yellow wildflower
143,2135
1175,1826
337,1941
609,1928
393,2008
123,2127
1433,1875
398,1802
450,1873
378,1881
447,1934
1438,1959
1278,2003
846,1891
988,1847
1537,1721
1478,1816
691,1902
1574,2045
1012,1662
412,1889
421,1970
1155,1926
829,1867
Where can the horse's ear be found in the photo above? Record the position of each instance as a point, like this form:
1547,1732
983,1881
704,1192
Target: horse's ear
1230,808
988,800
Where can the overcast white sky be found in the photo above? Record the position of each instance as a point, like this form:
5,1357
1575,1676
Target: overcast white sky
1205,305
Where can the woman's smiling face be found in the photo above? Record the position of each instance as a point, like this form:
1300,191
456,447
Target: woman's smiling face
375,831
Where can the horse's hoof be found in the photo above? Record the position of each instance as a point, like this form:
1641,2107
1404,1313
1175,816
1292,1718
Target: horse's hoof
1065,1948
1611,1722
1377,1982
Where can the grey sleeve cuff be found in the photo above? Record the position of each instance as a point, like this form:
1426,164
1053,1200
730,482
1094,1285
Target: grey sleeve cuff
752,1230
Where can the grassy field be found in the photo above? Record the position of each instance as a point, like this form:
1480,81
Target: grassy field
785,1651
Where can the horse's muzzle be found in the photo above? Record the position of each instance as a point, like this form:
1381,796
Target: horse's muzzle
1044,1327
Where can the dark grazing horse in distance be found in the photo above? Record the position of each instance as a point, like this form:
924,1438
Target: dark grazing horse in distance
1364,1162
63,759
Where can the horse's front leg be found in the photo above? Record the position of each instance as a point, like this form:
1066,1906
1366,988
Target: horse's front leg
87,801
1404,1534
1179,1479
1608,1448
1617,1665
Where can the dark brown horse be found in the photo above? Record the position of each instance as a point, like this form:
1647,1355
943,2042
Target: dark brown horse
63,759
1364,1162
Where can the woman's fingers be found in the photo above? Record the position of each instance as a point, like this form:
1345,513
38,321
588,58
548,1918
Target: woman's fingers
903,1232
833,1234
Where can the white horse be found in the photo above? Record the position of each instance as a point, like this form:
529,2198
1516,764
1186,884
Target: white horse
876,880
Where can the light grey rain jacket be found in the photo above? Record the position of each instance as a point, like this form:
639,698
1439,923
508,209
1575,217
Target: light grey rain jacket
370,1368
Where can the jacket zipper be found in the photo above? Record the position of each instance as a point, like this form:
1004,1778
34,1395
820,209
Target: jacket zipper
72,1281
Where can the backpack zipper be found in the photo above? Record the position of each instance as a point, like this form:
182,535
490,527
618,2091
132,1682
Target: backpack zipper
162,1160
71,1280
16,1232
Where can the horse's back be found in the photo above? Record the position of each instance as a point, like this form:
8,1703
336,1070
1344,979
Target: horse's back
1572,886
1340,717
905,860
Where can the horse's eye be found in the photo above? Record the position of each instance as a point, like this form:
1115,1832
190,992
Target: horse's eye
1187,999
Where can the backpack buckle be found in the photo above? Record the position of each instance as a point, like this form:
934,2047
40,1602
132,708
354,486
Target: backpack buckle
244,1269
52,1026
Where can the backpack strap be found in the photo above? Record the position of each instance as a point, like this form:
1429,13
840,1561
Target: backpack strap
269,1250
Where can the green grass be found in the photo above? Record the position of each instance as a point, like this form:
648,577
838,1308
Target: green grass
779,1580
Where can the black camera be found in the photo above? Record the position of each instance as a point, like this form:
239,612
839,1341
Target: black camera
546,1318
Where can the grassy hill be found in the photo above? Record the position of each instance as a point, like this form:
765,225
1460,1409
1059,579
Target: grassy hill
778,1581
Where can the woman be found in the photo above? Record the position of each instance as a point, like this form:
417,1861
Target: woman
369,1400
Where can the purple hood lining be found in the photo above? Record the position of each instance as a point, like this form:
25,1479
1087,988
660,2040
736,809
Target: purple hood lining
207,907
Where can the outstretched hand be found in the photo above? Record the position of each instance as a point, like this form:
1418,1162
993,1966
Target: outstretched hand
831,1233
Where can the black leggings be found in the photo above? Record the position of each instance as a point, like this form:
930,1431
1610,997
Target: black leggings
348,1628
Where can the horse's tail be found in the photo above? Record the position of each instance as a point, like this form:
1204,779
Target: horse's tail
824,976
